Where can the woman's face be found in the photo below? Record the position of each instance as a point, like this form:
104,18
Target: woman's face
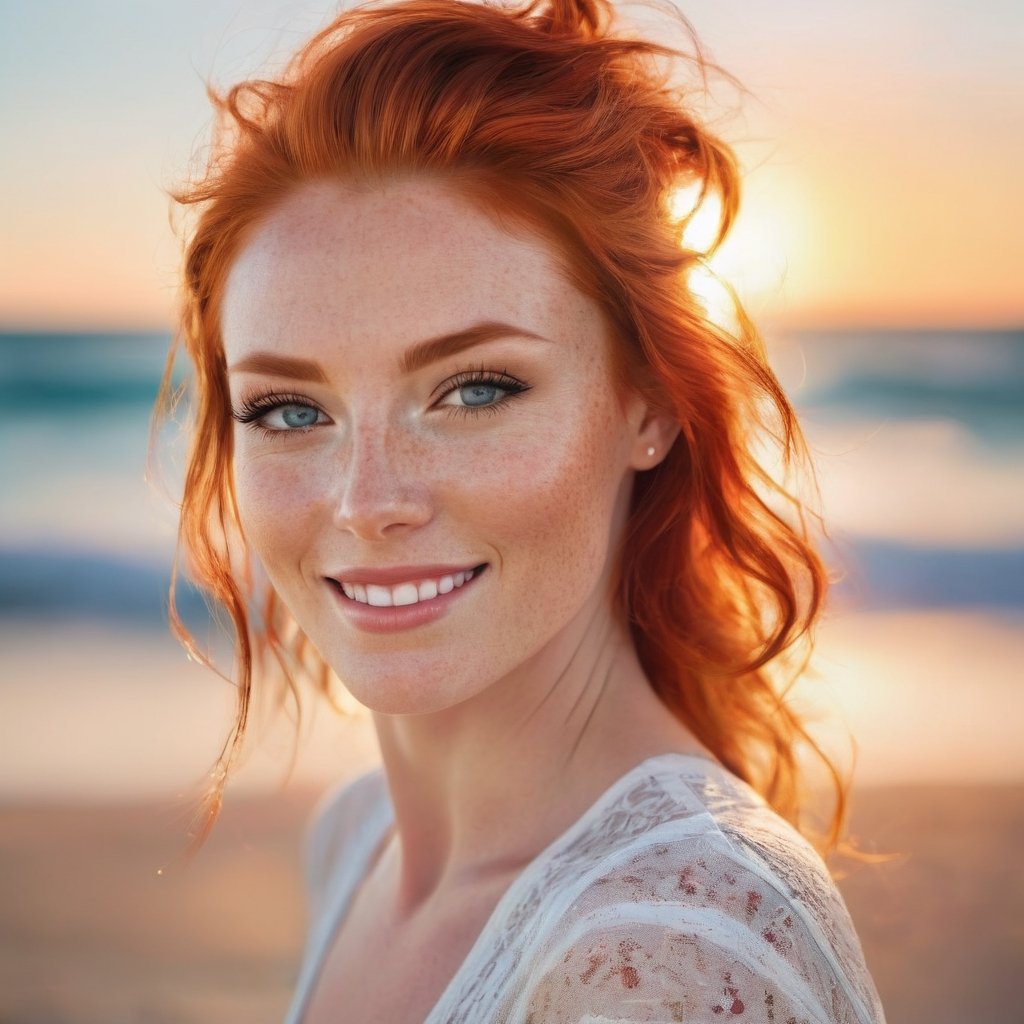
419,390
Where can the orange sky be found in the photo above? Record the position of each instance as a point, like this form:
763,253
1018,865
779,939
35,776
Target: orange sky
883,147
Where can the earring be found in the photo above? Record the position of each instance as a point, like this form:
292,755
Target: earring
651,450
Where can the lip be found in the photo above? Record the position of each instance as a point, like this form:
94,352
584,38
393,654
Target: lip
371,619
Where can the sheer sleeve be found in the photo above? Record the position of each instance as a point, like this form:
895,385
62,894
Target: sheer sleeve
702,931
698,971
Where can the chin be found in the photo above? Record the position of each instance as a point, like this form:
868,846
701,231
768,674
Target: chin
409,693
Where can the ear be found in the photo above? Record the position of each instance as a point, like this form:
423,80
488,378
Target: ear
651,428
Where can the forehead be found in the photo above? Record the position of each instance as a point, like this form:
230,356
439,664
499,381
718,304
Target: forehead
333,266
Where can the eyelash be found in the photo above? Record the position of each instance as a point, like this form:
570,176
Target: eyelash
503,380
253,408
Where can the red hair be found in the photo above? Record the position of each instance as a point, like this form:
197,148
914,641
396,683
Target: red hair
547,116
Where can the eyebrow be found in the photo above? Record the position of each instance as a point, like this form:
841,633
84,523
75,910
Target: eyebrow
421,354
430,351
280,366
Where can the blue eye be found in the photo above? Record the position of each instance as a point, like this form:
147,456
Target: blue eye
478,394
279,414
298,415
481,391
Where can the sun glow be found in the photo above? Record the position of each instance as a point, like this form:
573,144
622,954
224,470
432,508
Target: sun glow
755,257
702,220
713,294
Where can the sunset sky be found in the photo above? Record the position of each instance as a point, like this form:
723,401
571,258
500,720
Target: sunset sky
883,141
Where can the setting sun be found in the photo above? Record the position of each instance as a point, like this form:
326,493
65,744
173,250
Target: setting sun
766,244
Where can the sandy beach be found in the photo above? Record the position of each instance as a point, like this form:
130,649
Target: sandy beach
102,923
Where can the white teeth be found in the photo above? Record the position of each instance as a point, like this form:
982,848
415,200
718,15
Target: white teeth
404,593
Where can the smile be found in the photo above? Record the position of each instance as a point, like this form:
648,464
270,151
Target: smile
401,594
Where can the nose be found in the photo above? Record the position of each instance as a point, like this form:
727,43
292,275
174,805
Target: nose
383,485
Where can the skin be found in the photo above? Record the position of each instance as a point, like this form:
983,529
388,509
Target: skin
500,723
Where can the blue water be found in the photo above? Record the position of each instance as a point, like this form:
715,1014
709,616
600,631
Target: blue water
79,532
975,379
63,376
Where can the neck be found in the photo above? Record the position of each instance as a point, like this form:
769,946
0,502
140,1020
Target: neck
481,788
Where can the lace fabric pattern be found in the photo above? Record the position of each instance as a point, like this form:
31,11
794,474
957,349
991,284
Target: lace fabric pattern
678,896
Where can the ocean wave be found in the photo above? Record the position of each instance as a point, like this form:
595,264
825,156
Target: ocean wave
55,582
883,575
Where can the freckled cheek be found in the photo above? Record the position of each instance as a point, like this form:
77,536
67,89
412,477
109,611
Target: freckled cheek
276,500
550,490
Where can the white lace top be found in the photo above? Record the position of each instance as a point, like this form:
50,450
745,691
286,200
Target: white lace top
678,896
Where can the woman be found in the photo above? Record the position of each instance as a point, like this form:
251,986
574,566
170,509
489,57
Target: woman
465,438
